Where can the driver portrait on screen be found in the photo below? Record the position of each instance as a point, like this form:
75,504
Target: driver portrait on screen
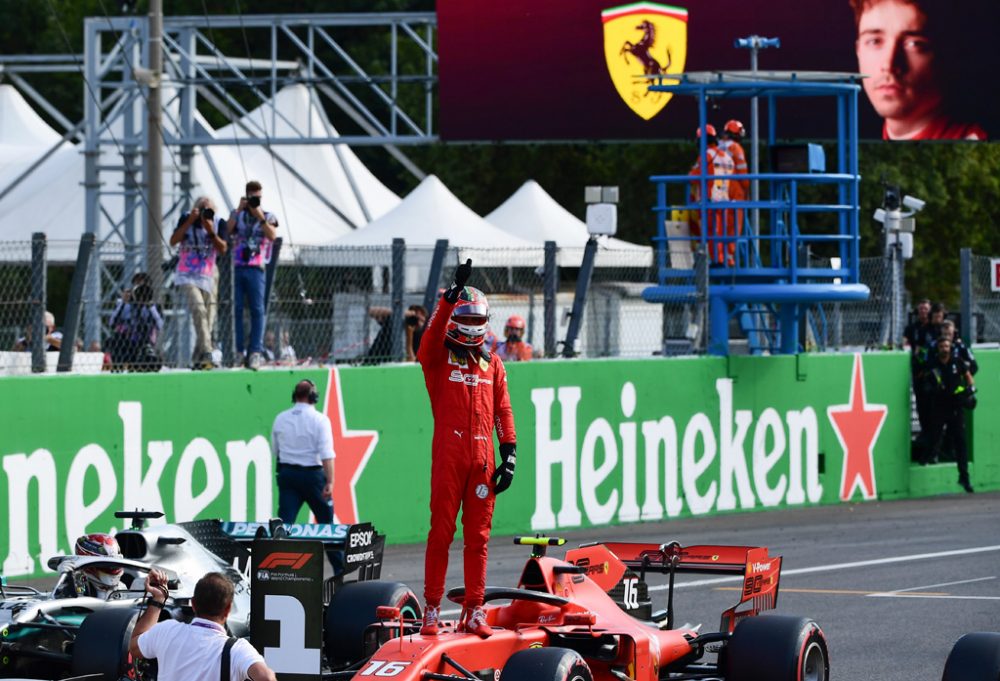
901,47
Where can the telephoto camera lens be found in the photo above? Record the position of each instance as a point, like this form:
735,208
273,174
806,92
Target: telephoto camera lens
254,201
208,213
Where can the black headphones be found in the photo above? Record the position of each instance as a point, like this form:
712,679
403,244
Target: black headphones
313,395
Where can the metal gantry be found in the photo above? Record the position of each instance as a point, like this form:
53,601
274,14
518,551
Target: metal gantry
770,274
389,107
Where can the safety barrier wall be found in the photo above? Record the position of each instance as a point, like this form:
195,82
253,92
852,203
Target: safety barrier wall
599,442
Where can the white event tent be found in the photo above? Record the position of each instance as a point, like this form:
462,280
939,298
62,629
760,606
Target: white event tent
52,199
431,212
532,214
24,136
335,171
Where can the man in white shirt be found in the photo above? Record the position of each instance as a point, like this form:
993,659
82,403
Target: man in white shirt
198,651
302,444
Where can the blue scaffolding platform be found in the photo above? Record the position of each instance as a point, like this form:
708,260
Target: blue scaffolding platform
764,271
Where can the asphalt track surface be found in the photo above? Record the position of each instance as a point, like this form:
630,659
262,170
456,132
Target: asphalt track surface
892,584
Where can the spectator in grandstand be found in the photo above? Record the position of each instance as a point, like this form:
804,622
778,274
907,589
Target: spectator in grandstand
720,166
909,52
253,231
201,650
53,337
137,322
201,236
382,348
514,348
954,392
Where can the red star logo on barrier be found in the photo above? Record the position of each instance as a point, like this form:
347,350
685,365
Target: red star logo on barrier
351,448
857,425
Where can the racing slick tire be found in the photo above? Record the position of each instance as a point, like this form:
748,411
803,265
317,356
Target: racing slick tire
778,649
974,657
352,611
101,645
546,664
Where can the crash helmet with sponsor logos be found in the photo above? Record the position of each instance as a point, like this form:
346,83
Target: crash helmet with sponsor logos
105,578
514,331
469,318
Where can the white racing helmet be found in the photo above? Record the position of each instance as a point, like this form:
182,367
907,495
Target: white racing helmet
102,545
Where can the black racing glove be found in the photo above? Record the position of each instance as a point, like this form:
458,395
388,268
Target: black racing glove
504,474
462,274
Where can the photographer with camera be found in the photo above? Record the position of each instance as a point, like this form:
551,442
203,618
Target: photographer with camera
414,321
201,650
137,322
201,236
253,232
954,392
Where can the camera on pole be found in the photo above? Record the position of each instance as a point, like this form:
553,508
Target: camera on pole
899,224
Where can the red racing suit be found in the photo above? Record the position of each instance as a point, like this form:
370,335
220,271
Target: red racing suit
468,400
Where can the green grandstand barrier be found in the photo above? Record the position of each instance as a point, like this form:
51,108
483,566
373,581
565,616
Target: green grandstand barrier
599,442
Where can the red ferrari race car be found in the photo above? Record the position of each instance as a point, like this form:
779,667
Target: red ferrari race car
586,617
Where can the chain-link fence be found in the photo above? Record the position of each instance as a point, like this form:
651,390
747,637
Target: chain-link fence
337,304
876,323
15,294
980,301
353,305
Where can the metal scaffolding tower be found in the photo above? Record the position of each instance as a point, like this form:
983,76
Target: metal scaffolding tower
379,100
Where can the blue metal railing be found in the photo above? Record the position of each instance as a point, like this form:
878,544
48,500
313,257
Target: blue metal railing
762,274
783,239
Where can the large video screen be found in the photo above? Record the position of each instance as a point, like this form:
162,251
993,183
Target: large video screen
568,69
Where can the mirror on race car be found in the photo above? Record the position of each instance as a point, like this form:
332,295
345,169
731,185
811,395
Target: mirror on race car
539,543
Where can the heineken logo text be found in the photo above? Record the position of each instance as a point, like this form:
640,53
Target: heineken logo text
697,465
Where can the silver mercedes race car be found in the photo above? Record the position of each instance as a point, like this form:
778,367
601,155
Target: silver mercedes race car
65,632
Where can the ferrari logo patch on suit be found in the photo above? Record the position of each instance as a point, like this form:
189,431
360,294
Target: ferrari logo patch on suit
644,39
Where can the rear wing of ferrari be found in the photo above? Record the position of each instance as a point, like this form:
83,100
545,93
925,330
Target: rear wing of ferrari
758,572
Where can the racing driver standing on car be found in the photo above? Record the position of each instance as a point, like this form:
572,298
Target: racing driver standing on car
467,386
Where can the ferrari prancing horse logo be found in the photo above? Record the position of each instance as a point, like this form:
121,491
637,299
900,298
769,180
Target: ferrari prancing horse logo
644,39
